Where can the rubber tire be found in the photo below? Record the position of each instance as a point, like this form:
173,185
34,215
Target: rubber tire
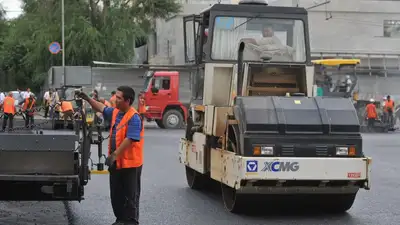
173,112
233,202
195,180
160,124
337,203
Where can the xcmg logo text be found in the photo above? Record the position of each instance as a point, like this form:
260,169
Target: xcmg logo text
281,166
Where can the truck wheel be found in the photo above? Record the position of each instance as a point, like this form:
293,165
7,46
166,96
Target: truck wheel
160,124
173,119
338,203
233,202
195,179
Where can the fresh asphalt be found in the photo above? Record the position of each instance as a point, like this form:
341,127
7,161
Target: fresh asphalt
166,199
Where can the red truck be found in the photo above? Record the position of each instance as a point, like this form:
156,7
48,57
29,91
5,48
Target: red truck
162,99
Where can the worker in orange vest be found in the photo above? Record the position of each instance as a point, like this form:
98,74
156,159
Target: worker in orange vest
388,110
112,99
9,111
125,152
68,111
370,113
29,109
105,102
107,121
142,107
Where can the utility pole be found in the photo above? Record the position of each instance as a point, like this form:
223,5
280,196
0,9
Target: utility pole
63,44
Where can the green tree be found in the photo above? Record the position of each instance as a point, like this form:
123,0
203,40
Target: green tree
94,30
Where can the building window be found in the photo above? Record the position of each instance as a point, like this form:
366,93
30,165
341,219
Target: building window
391,28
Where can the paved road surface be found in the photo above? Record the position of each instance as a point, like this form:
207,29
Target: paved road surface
166,200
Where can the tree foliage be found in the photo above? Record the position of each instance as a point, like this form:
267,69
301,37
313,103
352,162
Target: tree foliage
103,30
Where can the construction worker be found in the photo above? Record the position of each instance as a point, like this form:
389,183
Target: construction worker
142,107
105,102
125,158
46,102
54,100
370,113
68,111
95,95
9,111
388,110
29,109
106,120
112,99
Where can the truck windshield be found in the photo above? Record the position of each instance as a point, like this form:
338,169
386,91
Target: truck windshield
282,39
147,76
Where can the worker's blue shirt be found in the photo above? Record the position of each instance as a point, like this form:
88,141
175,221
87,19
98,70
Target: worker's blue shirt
134,126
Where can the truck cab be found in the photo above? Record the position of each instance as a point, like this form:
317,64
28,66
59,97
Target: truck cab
161,99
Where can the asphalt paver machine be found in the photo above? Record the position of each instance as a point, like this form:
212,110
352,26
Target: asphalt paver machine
337,78
36,165
253,126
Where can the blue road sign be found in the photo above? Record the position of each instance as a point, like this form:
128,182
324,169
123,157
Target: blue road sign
251,166
54,47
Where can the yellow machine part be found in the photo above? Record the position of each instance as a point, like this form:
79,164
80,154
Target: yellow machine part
336,62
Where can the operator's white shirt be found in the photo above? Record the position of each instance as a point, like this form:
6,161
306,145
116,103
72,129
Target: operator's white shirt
46,95
27,94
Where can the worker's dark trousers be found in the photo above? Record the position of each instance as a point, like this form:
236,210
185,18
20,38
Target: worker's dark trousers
125,194
29,120
46,111
8,117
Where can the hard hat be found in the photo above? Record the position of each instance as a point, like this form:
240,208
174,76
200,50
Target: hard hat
384,97
372,100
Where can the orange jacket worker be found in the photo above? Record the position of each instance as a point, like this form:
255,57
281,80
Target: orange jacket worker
125,158
370,112
113,99
9,111
29,109
389,105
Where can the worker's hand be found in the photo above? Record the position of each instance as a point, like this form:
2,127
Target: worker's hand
79,93
111,159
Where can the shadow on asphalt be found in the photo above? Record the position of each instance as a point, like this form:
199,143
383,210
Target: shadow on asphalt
69,213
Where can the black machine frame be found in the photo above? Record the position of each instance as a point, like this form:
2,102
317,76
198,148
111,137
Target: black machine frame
48,167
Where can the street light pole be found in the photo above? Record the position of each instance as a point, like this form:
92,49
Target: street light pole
62,33
63,43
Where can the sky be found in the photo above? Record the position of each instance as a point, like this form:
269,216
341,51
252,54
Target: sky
12,7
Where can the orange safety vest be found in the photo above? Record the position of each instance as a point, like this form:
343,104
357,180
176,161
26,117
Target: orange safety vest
107,103
112,100
66,106
9,105
25,107
371,111
133,156
142,108
389,104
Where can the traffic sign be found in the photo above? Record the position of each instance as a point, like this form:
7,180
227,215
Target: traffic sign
54,48
251,166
